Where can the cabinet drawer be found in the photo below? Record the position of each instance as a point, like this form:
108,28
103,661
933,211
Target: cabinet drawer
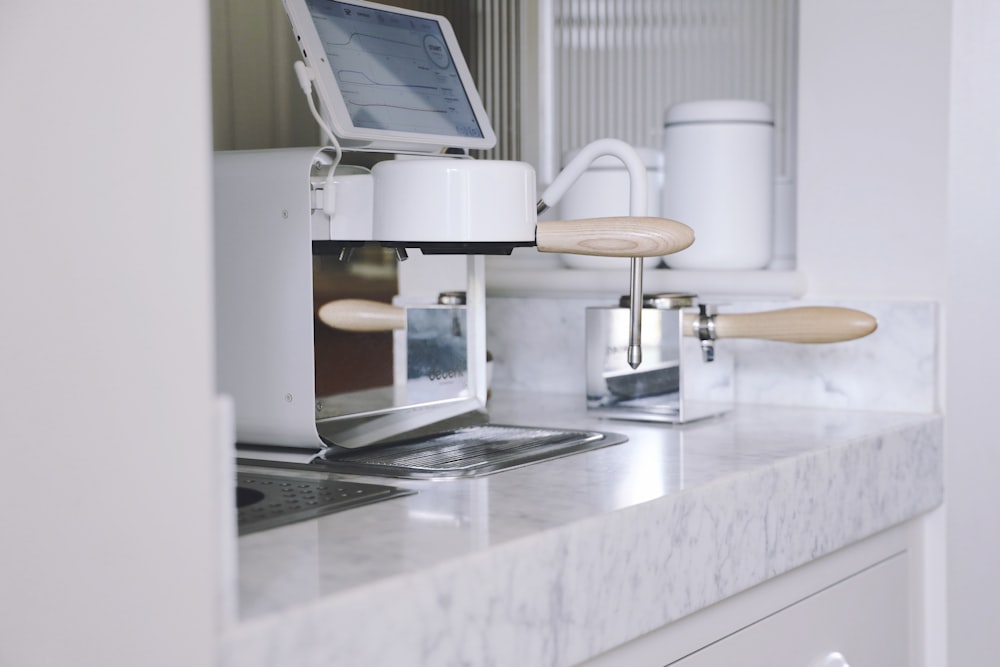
864,618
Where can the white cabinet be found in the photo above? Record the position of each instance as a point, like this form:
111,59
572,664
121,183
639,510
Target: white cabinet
860,606
862,621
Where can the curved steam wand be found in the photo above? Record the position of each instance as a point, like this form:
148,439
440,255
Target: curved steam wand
638,204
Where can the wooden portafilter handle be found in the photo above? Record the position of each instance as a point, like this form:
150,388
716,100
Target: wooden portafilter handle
625,236
362,315
808,324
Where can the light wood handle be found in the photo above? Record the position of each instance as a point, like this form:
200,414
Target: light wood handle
812,324
614,237
362,315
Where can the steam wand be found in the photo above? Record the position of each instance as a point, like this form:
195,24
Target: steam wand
638,203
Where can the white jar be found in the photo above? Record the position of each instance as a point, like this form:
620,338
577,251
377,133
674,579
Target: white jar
718,178
603,191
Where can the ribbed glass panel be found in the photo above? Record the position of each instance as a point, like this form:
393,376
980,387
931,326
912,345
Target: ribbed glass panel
619,64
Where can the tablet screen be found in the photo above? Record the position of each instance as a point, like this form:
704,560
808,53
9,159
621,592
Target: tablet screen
394,70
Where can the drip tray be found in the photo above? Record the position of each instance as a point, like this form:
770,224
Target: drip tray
266,500
471,451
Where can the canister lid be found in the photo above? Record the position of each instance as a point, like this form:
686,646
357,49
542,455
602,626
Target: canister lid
651,158
665,301
718,111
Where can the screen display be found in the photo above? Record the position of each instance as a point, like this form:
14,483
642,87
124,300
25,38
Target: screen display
394,71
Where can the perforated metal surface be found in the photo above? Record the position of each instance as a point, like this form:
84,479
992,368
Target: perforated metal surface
270,500
466,452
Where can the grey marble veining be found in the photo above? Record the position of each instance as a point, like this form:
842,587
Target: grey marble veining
538,345
556,562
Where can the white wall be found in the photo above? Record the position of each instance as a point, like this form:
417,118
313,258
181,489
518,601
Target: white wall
108,484
972,356
873,146
899,198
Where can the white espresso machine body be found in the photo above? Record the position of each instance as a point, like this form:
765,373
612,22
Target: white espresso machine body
264,292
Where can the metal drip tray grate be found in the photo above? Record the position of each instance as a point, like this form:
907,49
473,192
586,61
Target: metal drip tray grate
266,501
465,452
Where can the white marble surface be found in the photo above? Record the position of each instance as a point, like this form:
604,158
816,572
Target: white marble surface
556,562
538,345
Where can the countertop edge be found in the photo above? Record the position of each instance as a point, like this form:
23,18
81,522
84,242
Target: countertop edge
572,592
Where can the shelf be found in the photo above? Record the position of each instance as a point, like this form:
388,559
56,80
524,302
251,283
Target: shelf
525,280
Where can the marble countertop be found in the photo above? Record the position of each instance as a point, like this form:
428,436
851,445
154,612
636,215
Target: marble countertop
556,562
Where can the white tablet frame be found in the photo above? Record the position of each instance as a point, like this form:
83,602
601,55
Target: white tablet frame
335,108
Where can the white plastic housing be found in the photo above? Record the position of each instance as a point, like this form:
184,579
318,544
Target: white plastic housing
263,293
446,200
352,205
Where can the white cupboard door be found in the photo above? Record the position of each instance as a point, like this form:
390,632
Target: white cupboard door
862,621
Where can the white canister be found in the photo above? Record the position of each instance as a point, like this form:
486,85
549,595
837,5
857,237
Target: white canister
718,178
603,191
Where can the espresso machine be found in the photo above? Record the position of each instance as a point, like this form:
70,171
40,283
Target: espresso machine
392,83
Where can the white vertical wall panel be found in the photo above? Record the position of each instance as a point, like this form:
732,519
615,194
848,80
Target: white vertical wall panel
110,489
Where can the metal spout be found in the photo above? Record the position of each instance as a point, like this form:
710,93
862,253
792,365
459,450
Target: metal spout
635,314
